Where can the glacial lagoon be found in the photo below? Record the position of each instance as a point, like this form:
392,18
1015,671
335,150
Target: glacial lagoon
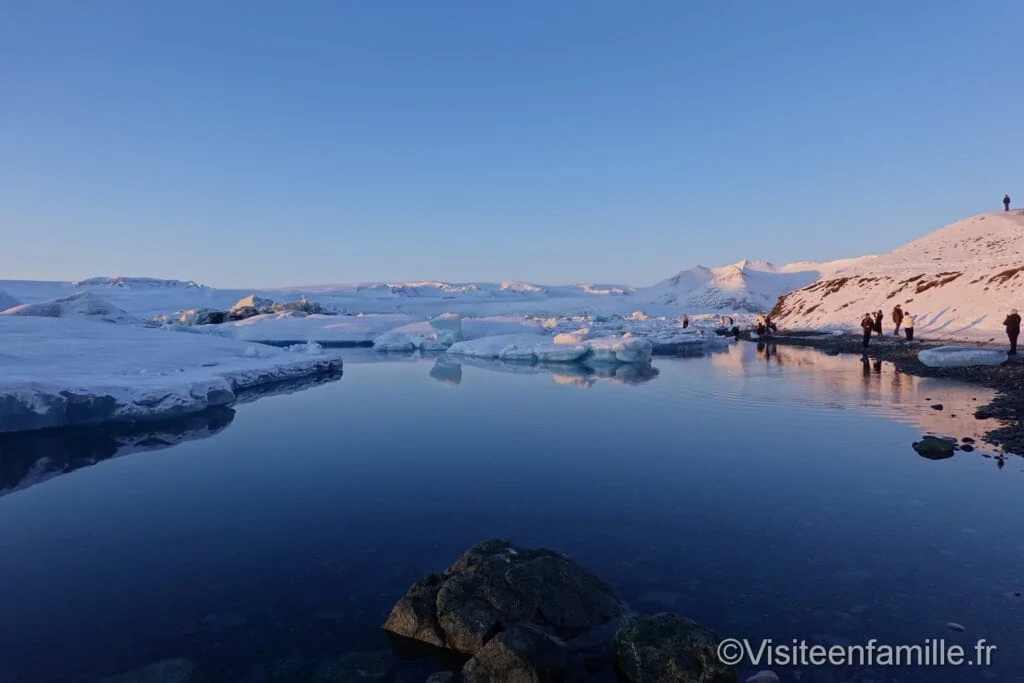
765,492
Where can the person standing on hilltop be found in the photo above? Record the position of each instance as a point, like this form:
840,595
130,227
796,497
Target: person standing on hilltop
1012,324
897,317
1006,202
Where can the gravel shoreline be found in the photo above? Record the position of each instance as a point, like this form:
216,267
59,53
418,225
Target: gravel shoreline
1006,409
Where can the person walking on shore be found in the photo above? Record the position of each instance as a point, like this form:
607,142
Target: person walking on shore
1012,324
897,317
908,327
1006,202
867,325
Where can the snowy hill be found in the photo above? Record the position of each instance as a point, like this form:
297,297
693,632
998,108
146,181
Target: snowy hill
751,286
83,306
960,281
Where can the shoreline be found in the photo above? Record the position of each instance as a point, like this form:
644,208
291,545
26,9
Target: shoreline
1007,379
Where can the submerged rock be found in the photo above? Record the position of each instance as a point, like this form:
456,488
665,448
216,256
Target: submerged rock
165,671
934,448
496,585
668,648
355,667
522,653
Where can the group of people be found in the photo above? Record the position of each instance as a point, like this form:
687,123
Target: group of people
871,324
765,326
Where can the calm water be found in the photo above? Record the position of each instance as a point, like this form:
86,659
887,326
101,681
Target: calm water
763,495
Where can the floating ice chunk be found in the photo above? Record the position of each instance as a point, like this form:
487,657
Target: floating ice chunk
566,348
310,348
432,335
251,351
960,357
620,350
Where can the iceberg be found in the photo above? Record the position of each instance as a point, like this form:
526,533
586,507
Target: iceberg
438,334
564,348
960,357
57,372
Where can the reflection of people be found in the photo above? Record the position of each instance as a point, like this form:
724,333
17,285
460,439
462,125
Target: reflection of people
877,366
866,366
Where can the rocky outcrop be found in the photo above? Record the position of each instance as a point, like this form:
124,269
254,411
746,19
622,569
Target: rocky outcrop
533,616
668,648
496,585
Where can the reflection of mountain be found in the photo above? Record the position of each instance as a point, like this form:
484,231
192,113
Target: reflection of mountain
449,370
839,382
29,458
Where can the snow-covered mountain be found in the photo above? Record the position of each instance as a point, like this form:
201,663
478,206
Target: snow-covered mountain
960,282
751,286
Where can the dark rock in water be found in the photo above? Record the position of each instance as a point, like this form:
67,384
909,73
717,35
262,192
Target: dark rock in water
934,448
967,439
985,413
496,585
937,406
831,352
355,667
522,653
668,648
967,448
165,671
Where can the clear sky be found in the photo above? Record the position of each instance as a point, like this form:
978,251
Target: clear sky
257,143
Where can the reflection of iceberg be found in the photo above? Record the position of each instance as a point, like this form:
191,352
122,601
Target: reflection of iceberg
287,386
564,373
446,370
29,458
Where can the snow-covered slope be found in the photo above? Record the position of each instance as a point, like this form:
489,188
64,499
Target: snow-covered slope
752,286
960,282
84,306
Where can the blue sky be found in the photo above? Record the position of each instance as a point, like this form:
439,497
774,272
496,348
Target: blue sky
270,143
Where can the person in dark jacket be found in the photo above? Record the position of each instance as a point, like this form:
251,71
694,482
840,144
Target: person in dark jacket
867,324
1012,324
897,317
686,322
879,317
1006,202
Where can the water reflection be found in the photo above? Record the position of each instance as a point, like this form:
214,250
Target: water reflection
853,382
29,458
448,369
